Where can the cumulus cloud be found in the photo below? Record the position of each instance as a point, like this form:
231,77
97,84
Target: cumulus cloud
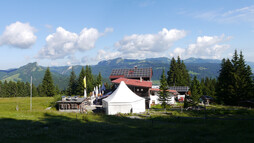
178,52
106,55
18,35
205,47
63,43
144,45
150,42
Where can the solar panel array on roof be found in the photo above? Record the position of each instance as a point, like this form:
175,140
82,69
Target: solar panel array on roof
179,88
132,73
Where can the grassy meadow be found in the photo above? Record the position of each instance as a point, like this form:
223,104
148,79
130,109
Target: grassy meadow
225,124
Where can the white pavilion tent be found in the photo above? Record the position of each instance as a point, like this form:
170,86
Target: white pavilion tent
123,100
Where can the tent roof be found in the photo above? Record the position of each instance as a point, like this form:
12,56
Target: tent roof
123,94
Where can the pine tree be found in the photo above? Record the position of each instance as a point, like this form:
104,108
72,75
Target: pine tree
1,92
245,81
163,94
21,88
224,87
72,86
80,87
172,73
57,90
178,74
196,91
186,76
235,83
250,85
99,79
40,90
27,89
34,91
12,89
5,89
89,79
47,84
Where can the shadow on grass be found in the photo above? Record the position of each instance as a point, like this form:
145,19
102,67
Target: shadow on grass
102,128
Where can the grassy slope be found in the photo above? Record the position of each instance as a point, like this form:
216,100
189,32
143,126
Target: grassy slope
52,126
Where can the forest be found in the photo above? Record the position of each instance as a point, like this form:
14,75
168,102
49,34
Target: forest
234,84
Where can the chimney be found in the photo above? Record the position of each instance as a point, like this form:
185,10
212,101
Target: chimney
140,79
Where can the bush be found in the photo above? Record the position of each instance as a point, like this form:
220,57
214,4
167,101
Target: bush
57,97
158,106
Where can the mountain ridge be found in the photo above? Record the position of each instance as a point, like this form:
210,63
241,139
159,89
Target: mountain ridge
196,67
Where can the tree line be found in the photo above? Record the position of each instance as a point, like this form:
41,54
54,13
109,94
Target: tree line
76,84
234,84
47,87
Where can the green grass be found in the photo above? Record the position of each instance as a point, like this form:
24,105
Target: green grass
40,125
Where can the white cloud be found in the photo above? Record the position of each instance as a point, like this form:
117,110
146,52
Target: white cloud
87,39
244,14
205,47
178,52
140,46
63,43
106,55
19,35
159,42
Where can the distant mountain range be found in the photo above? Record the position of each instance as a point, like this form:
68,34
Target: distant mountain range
196,66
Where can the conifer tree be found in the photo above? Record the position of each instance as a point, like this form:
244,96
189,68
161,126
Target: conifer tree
80,87
172,73
234,82
186,76
225,87
196,91
40,90
89,79
178,74
57,90
21,88
27,89
5,89
99,79
1,89
12,89
72,86
34,91
163,94
48,87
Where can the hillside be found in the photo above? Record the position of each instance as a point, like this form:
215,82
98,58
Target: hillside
199,67
25,72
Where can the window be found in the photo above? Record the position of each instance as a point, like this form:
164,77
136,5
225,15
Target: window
141,89
137,89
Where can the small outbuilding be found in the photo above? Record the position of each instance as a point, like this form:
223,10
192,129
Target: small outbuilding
71,104
123,100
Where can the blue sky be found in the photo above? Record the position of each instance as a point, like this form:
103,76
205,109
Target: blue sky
57,32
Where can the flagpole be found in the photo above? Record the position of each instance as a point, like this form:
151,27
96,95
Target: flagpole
84,80
31,93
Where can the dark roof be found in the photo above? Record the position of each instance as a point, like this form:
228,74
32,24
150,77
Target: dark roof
131,73
179,88
72,100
